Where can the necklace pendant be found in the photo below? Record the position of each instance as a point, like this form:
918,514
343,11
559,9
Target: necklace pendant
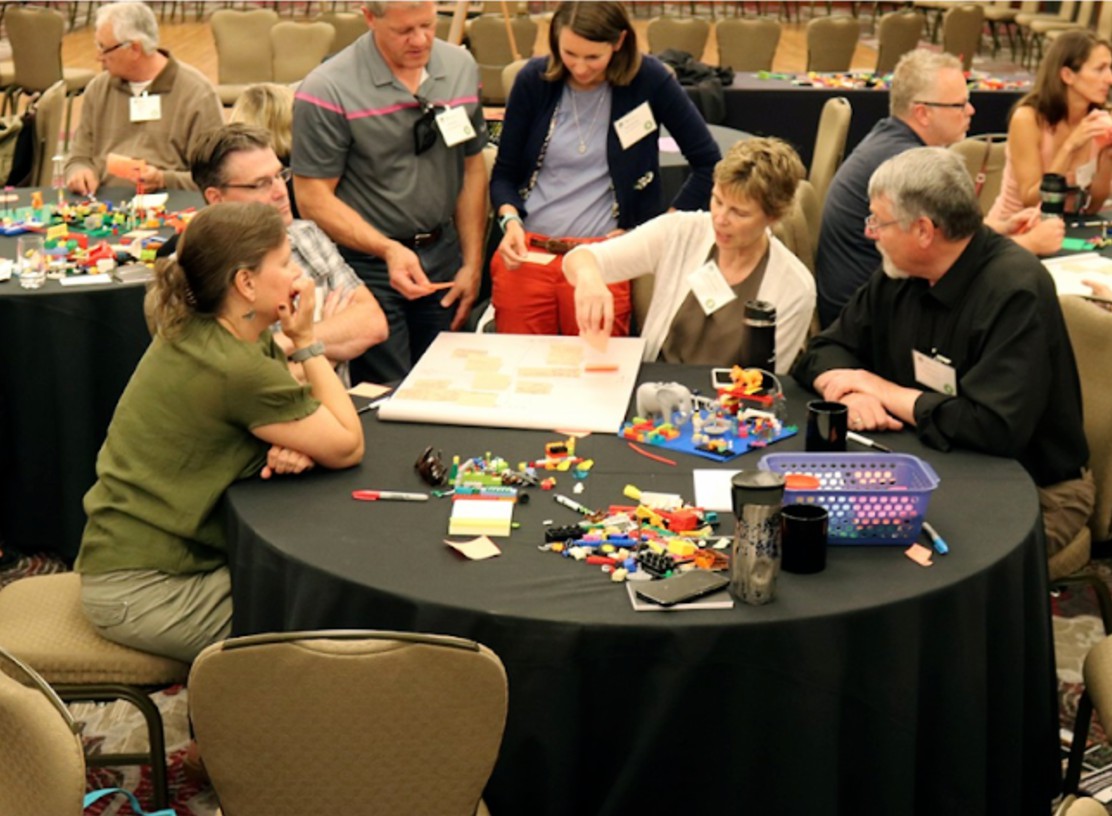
582,148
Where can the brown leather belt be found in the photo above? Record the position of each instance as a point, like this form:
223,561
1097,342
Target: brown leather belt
421,239
559,246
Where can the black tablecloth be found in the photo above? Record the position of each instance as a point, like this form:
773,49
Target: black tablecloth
776,107
874,687
65,356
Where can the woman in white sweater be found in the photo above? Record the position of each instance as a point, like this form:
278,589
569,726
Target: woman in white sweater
708,265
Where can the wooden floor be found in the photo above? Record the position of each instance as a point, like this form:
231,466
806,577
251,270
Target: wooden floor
192,42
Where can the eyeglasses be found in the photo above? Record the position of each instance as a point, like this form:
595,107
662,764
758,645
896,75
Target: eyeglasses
264,185
957,105
425,130
872,226
111,48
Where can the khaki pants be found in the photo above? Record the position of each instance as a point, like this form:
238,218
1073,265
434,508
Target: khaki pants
1066,508
172,615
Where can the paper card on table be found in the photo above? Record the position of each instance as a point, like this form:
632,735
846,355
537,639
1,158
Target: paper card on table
125,167
712,489
1069,272
151,200
919,554
539,258
481,517
477,548
369,390
86,280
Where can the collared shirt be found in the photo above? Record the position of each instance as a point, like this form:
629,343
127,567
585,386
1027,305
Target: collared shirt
353,120
995,315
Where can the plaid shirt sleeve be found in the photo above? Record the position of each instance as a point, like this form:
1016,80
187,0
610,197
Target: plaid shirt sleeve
317,255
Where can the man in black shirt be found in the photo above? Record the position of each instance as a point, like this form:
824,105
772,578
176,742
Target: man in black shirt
960,336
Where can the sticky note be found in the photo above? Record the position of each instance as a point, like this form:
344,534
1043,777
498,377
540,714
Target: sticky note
919,554
476,549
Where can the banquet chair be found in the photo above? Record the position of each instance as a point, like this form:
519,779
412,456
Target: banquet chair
961,32
1103,26
898,33
831,42
43,624
42,767
747,45
310,722
984,156
688,34
349,27
298,48
509,76
35,35
243,51
1067,12
830,144
1097,693
493,51
1081,806
1039,30
1001,13
49,117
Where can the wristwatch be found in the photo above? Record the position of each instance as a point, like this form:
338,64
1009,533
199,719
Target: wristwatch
504,221
314,349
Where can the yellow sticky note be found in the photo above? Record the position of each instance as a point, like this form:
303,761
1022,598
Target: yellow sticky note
919,554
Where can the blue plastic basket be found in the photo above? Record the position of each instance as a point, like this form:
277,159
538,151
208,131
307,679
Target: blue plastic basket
872,498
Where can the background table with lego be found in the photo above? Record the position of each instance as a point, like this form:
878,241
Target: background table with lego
875,686
66,354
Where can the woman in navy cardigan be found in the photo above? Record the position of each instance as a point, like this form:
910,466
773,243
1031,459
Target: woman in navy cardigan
578,161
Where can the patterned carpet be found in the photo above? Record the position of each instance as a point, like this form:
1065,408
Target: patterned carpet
116,726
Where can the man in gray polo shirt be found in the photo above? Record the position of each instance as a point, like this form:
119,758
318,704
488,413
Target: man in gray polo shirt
387,159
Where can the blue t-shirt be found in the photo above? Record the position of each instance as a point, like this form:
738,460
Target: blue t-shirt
845,256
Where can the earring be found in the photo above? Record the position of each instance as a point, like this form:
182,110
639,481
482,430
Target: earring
249,315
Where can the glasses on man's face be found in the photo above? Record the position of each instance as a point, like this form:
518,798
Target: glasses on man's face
425,131
264,185
873,227
955,105
106,51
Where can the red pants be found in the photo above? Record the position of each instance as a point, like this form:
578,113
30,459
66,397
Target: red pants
537,299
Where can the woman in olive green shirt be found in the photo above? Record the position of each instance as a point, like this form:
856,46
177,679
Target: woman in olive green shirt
212,401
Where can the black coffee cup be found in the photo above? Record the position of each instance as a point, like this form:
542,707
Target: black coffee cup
827,423
803,533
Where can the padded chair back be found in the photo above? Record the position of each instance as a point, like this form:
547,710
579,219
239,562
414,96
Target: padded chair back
298,48
898,33
35,35
42,766
490,45
243,50
50,111
795,233
509,75
688,34
831,42
1090,330
747,44
984,157
316,722
348,26
961,32
812,210
830,144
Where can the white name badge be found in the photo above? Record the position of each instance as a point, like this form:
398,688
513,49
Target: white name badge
934,373
635,125
710,288
455,127
146,108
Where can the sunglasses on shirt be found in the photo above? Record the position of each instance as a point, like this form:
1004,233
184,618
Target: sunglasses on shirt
425,131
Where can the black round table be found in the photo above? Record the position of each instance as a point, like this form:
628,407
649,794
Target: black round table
876,686
66,354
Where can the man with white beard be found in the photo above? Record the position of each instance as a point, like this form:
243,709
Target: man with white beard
958,336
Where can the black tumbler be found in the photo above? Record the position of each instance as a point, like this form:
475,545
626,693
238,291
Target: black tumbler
1052,193
759,336
803,533
826,426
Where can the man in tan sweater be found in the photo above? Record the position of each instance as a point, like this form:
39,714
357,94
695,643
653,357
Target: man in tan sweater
145,105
